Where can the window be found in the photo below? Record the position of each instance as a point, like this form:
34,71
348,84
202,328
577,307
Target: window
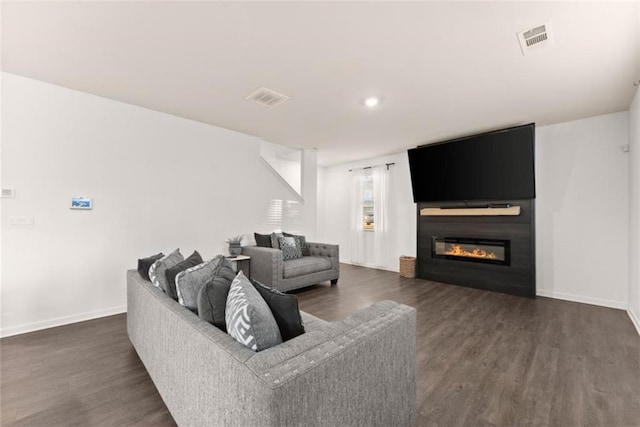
368,222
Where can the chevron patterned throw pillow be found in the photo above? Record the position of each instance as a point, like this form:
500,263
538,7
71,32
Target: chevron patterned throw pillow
248,317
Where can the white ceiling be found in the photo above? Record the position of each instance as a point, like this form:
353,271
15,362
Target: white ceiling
443,69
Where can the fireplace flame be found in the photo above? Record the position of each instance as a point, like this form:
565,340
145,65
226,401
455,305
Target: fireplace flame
457,250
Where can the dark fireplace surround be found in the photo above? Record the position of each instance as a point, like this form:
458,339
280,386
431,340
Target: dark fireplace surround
495,253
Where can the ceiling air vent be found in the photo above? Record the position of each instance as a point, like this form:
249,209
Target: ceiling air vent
267,97
534,38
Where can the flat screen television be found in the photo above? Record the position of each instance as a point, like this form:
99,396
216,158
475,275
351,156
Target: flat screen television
491,166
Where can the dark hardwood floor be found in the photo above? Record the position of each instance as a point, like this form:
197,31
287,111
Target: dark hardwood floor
484,359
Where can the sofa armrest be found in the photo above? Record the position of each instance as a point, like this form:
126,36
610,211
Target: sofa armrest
266,264
327,250
375,349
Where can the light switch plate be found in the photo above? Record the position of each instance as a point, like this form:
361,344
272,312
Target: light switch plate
8,193
21,221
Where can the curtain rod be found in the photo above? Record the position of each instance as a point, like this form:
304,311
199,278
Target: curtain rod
369,167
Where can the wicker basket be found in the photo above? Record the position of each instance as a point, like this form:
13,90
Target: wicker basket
408,267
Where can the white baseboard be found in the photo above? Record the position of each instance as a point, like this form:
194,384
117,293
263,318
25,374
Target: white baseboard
622,305
635,319
377,267
60,321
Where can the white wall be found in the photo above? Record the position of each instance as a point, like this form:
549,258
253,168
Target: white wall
582,218
634,211
158,182
321,223
333,217
290,170
308,219
581,209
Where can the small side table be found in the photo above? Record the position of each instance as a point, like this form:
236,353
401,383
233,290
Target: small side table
241,263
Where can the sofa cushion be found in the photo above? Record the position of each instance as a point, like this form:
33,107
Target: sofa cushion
248,317
157,270
284,309
144,264
262,240
305,265
189,281
171,273
212,301
290,248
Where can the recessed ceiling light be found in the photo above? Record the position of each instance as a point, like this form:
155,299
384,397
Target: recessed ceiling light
372,101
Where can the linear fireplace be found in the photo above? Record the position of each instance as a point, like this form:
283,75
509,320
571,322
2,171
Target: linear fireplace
490,251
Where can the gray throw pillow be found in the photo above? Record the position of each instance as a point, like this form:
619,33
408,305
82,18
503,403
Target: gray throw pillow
190,281
249,319
284,308
212,301
225,269
171,273
263,240
290,248
274,240
144,264
302,241
158,268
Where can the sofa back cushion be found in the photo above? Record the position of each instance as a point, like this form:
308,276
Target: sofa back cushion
248,317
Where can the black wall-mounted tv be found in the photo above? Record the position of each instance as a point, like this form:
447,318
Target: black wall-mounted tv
491,166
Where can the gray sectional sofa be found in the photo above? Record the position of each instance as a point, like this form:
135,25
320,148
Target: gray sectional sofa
320,264
360,371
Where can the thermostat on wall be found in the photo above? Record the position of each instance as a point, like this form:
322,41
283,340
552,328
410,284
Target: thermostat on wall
8,193
81,203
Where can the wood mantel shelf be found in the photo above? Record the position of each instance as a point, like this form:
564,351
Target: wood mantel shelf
510,211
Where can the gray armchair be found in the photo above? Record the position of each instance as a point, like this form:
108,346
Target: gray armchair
320,264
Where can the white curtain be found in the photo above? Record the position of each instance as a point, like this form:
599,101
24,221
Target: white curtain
382,214
357,236
375,248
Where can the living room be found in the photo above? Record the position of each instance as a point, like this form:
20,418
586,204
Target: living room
140,106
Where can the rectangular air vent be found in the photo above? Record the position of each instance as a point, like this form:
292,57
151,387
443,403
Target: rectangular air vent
267,97
534,38
8,193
